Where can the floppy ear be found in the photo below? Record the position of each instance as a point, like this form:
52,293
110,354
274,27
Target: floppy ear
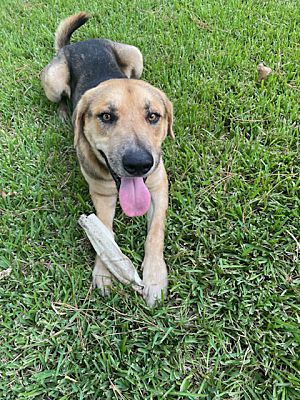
78,119
169,108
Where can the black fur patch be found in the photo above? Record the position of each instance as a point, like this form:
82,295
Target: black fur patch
90,63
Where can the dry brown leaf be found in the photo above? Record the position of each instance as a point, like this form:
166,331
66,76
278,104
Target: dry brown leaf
200,24
263,72
9,194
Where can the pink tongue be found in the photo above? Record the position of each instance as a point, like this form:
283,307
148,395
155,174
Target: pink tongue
134,197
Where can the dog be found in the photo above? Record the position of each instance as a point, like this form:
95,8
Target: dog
119,123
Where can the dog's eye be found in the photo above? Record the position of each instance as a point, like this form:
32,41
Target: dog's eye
106,117
153,118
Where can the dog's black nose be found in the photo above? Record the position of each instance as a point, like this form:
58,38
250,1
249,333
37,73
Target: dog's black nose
137,162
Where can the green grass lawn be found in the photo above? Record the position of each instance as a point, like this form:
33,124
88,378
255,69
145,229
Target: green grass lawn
230,326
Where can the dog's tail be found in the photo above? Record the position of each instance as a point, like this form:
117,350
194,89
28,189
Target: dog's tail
67,27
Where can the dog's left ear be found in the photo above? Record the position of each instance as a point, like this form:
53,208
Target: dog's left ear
169,111
78,119
169,108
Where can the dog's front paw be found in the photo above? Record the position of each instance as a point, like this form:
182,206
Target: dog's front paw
103,283
102,279
154,292
155,279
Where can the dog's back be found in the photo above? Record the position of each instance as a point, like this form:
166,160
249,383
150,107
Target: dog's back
81,66
90,62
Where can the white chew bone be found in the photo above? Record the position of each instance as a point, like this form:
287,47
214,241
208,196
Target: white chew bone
109,252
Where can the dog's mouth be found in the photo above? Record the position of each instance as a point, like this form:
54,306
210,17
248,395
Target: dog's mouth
116,177
134,196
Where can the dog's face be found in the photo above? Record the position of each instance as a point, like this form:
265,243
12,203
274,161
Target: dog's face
125,122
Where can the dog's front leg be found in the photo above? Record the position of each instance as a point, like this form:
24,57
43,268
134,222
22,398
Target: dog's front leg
105,210
155,276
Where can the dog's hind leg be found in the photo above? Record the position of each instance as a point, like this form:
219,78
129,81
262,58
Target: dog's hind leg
129,58
55,79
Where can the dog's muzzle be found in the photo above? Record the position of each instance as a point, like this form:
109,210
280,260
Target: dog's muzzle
116,178
134,196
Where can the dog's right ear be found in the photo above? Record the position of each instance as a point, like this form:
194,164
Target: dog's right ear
78,119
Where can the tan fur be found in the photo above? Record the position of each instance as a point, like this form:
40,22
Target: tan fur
67,27
131,58
55,79
129,97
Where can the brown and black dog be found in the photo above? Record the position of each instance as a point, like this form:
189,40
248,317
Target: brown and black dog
119,125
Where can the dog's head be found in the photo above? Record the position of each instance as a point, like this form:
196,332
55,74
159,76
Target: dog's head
125,122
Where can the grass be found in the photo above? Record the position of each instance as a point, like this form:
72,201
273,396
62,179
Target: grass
230,326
